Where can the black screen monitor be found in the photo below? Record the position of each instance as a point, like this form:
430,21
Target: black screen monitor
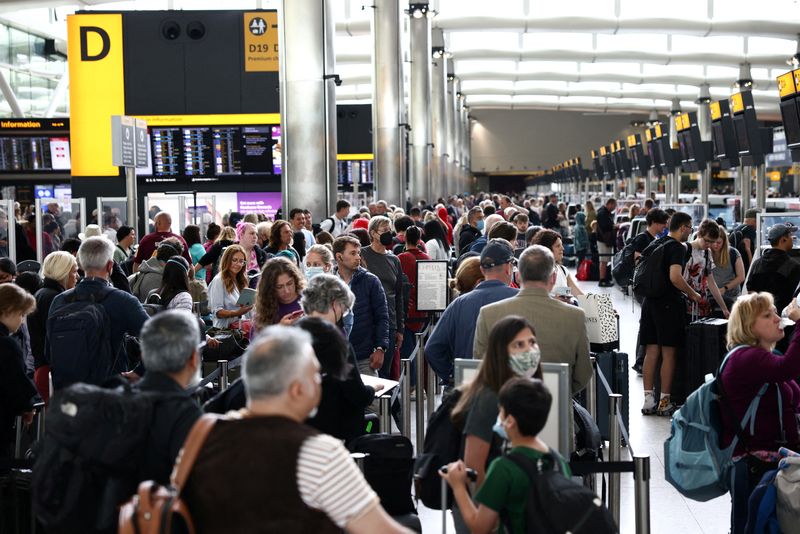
723,135
754,142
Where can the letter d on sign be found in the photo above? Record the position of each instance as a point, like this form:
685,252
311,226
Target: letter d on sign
85,44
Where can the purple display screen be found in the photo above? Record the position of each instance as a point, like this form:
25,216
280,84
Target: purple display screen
267,203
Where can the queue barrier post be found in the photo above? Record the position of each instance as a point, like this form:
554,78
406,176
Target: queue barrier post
385,403
590,481
359,458
614,444
38,408
406,395
223,374
431,390
641,481
420,402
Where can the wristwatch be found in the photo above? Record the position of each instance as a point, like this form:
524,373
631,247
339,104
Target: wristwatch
382,349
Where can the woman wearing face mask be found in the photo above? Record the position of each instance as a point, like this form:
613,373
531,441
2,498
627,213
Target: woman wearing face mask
319,260
278,298
512,351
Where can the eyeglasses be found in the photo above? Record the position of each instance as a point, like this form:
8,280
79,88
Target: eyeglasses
238,262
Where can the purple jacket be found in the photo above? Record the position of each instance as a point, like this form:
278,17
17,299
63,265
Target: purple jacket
744,374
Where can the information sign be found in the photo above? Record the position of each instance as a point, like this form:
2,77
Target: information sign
431,285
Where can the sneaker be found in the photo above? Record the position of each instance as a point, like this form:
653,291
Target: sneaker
665,407
650,406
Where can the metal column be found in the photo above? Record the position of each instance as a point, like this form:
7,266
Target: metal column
420,157
420,402
450,100
308,106
648,184
387,102
641,482
456,165
465,148
704,125
746,186
614,444
761,187
438,117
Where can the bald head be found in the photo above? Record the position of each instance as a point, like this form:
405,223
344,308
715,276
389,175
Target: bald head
162,222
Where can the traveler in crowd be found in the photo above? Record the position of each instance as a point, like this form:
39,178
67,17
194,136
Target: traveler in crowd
699,268
225,288
747,231
416,215
162,229
171,354
728,269
468,276
656,221
336,224
191,234
755,328
17,391
441,212
280,240
663,320
60,272
174,293
212,233
489,222
471,230
263,230
370,333
123,311
226,238
415,320
299,244
565,287
247,238
606,239
580,237
512,351
278,294
318,260
30,281
550,213
436,241
126,238
324,238
775,271
521,222
401,225
454,333
297,218
524,406
385,265
310,478
151,271
560,328
361,233
381,208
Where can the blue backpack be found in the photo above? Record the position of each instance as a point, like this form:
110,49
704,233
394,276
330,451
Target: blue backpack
694,462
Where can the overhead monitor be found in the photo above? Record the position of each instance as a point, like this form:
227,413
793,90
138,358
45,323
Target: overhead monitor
665,156
692,148
596,165
723,135
622,161
790,111
753,141
34,146
359,170
652,151
640,161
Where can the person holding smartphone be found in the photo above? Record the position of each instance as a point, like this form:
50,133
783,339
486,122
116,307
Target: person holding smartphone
225,288
278,294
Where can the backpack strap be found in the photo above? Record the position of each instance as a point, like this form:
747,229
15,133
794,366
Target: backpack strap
191,449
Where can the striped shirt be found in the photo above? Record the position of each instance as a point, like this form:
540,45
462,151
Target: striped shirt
330,481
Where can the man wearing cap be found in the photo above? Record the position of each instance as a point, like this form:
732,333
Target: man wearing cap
453,335
775,272
560,328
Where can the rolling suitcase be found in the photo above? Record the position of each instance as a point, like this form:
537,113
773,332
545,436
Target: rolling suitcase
704,350
614,366
388,467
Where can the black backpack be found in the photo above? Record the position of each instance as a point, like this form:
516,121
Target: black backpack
622,265
588,440
556,504
79,340
736,240
90,459
649,276
442,445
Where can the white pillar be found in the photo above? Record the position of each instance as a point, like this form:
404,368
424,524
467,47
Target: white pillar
420,156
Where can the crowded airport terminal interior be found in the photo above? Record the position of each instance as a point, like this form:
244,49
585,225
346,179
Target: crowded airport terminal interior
397,266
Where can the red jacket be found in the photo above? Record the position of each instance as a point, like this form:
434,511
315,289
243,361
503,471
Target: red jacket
408,262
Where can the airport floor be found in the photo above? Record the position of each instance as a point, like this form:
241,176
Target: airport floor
669,511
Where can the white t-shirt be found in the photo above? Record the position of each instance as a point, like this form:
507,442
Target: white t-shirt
329,480
220,299
181,301
435,250
562,277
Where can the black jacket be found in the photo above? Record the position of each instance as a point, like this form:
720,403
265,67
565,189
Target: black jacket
466,237
37,321
17,391
776,273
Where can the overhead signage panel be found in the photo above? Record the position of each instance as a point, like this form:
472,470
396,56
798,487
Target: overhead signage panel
261,41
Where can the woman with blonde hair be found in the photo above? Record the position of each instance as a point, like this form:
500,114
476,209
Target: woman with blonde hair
60,272
728,269
468,275
278,298
223,293
754,375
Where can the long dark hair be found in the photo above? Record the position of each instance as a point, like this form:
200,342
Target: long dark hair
433,230
175,279
495,369
191,234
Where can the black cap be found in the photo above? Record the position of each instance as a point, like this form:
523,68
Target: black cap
496,252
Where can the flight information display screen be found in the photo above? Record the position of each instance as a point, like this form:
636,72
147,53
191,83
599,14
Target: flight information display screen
213,153
34,154
355,171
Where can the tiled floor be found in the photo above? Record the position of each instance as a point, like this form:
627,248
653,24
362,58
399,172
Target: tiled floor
669,511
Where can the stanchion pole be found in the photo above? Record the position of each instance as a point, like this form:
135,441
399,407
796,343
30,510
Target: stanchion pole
590,481
420,403
359,458
223,374
431,390
406,394
614,443
386,413
18,439
641,481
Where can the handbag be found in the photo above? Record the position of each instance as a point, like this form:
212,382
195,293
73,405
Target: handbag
602,321
584,273
156,509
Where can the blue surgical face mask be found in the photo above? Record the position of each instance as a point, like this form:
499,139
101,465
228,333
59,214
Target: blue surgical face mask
479,225
499,429
311,272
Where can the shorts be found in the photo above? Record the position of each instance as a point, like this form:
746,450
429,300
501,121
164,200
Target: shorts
663,322
604,251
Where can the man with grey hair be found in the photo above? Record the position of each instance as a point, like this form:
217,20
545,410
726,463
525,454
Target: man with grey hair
119,312
560,328
267,469
170,344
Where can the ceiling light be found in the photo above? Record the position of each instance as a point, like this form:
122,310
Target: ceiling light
705,94
675,109
438,52
745,81
418,10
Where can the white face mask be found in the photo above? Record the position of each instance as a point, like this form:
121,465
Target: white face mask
526,362
311,272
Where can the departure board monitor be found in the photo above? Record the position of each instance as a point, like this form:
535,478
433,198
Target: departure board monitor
34,146
640,161
753,141
359,171
652,151
213,153
723,135
695,153
790,111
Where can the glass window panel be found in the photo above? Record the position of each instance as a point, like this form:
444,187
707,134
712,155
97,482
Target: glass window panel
610,68
722,44
646,42
719,72
532,85
486,85
594,86
682,9
356,44
479,65
771,45
654,87
353,70
783,10
653,69
5,49
760,73
489,98
535,99
531,67
586,8
483,40
467,8
582,100
632,101
557,41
